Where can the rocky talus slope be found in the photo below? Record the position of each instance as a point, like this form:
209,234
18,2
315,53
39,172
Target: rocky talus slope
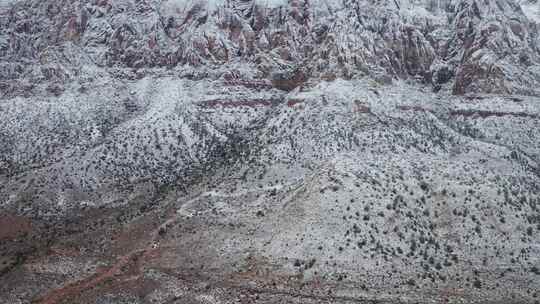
269,151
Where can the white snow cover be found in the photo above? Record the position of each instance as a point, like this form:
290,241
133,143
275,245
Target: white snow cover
531,8
6,3
212,4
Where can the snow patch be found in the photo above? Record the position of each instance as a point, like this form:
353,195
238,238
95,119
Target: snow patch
531,9
214,4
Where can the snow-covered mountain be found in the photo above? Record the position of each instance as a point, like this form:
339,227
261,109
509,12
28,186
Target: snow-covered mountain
269,151
481,46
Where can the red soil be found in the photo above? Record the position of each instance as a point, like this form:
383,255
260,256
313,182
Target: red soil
412,108
227,103
13,226
485,114
292,102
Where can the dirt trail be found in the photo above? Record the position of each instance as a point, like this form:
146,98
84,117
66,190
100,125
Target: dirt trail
73,289
117,270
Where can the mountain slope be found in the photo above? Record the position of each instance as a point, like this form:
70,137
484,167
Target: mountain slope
269,152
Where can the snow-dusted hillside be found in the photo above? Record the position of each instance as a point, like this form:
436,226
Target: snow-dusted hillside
239,151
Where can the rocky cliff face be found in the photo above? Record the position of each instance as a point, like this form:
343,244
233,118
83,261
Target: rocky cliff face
241,151
481,46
